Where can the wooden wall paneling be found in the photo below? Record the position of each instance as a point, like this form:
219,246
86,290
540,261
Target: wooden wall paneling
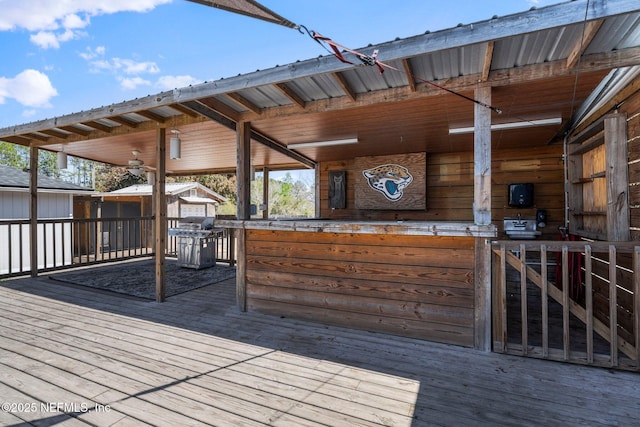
450,188
409,292
410,285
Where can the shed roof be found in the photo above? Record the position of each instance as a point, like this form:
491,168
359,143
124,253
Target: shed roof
16,179
543,63
171,189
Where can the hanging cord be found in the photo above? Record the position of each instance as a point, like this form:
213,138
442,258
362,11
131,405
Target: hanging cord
575,82
372,60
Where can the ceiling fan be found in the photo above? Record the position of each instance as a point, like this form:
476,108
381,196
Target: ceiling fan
136,166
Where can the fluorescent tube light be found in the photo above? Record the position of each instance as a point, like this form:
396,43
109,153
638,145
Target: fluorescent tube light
512,125
323,143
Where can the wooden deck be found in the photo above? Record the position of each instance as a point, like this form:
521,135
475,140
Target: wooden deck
75,356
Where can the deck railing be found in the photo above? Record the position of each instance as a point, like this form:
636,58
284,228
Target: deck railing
573,301
68,243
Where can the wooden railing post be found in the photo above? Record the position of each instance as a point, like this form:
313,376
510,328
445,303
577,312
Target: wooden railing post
636,303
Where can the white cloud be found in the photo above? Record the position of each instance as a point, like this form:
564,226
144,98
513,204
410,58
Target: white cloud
173,82
131,83
129,66
53,22
30,88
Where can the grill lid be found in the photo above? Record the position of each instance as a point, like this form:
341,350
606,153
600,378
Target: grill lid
196,223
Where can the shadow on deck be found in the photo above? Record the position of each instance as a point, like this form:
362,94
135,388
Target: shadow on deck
195,359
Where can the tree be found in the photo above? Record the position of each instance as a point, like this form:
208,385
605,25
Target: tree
109,178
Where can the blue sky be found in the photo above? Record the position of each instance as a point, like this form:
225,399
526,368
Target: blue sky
62,57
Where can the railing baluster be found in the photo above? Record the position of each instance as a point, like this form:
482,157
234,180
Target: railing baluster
503,297
565,302
10,243
523,300
20,248
44,244
545,300
613,305
588,302
636,302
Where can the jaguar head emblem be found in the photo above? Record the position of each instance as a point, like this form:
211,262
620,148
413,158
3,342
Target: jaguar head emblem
389,179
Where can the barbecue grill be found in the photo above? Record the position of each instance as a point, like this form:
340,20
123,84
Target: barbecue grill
196,239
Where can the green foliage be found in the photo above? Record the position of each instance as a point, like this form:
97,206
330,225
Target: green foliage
110,178
17,156
287,198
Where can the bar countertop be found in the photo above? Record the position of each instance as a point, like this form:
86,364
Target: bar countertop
418,228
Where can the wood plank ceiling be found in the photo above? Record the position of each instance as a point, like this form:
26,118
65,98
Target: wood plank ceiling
540,64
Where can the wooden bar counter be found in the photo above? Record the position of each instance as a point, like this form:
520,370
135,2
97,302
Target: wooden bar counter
413,279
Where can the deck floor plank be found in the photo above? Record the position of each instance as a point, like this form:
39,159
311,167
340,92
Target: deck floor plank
196,360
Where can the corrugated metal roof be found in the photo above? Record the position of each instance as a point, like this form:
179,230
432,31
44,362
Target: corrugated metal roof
457,57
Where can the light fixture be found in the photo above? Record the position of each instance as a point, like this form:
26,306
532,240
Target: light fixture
62,160
512,125
174,145
323,143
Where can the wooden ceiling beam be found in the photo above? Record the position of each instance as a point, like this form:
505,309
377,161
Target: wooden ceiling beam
20,140
151,116
244,102
221,108
75,130
408,71
590,30
210,114
281,148
255,135
98,126
345,86
291,94
486,65
124,121
55,133
179,108
37,137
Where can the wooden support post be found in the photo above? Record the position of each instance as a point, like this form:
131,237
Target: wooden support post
482,280
243,170
617,175
33,209
243,175
482,158
265,192
161,214
99,230
482,216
